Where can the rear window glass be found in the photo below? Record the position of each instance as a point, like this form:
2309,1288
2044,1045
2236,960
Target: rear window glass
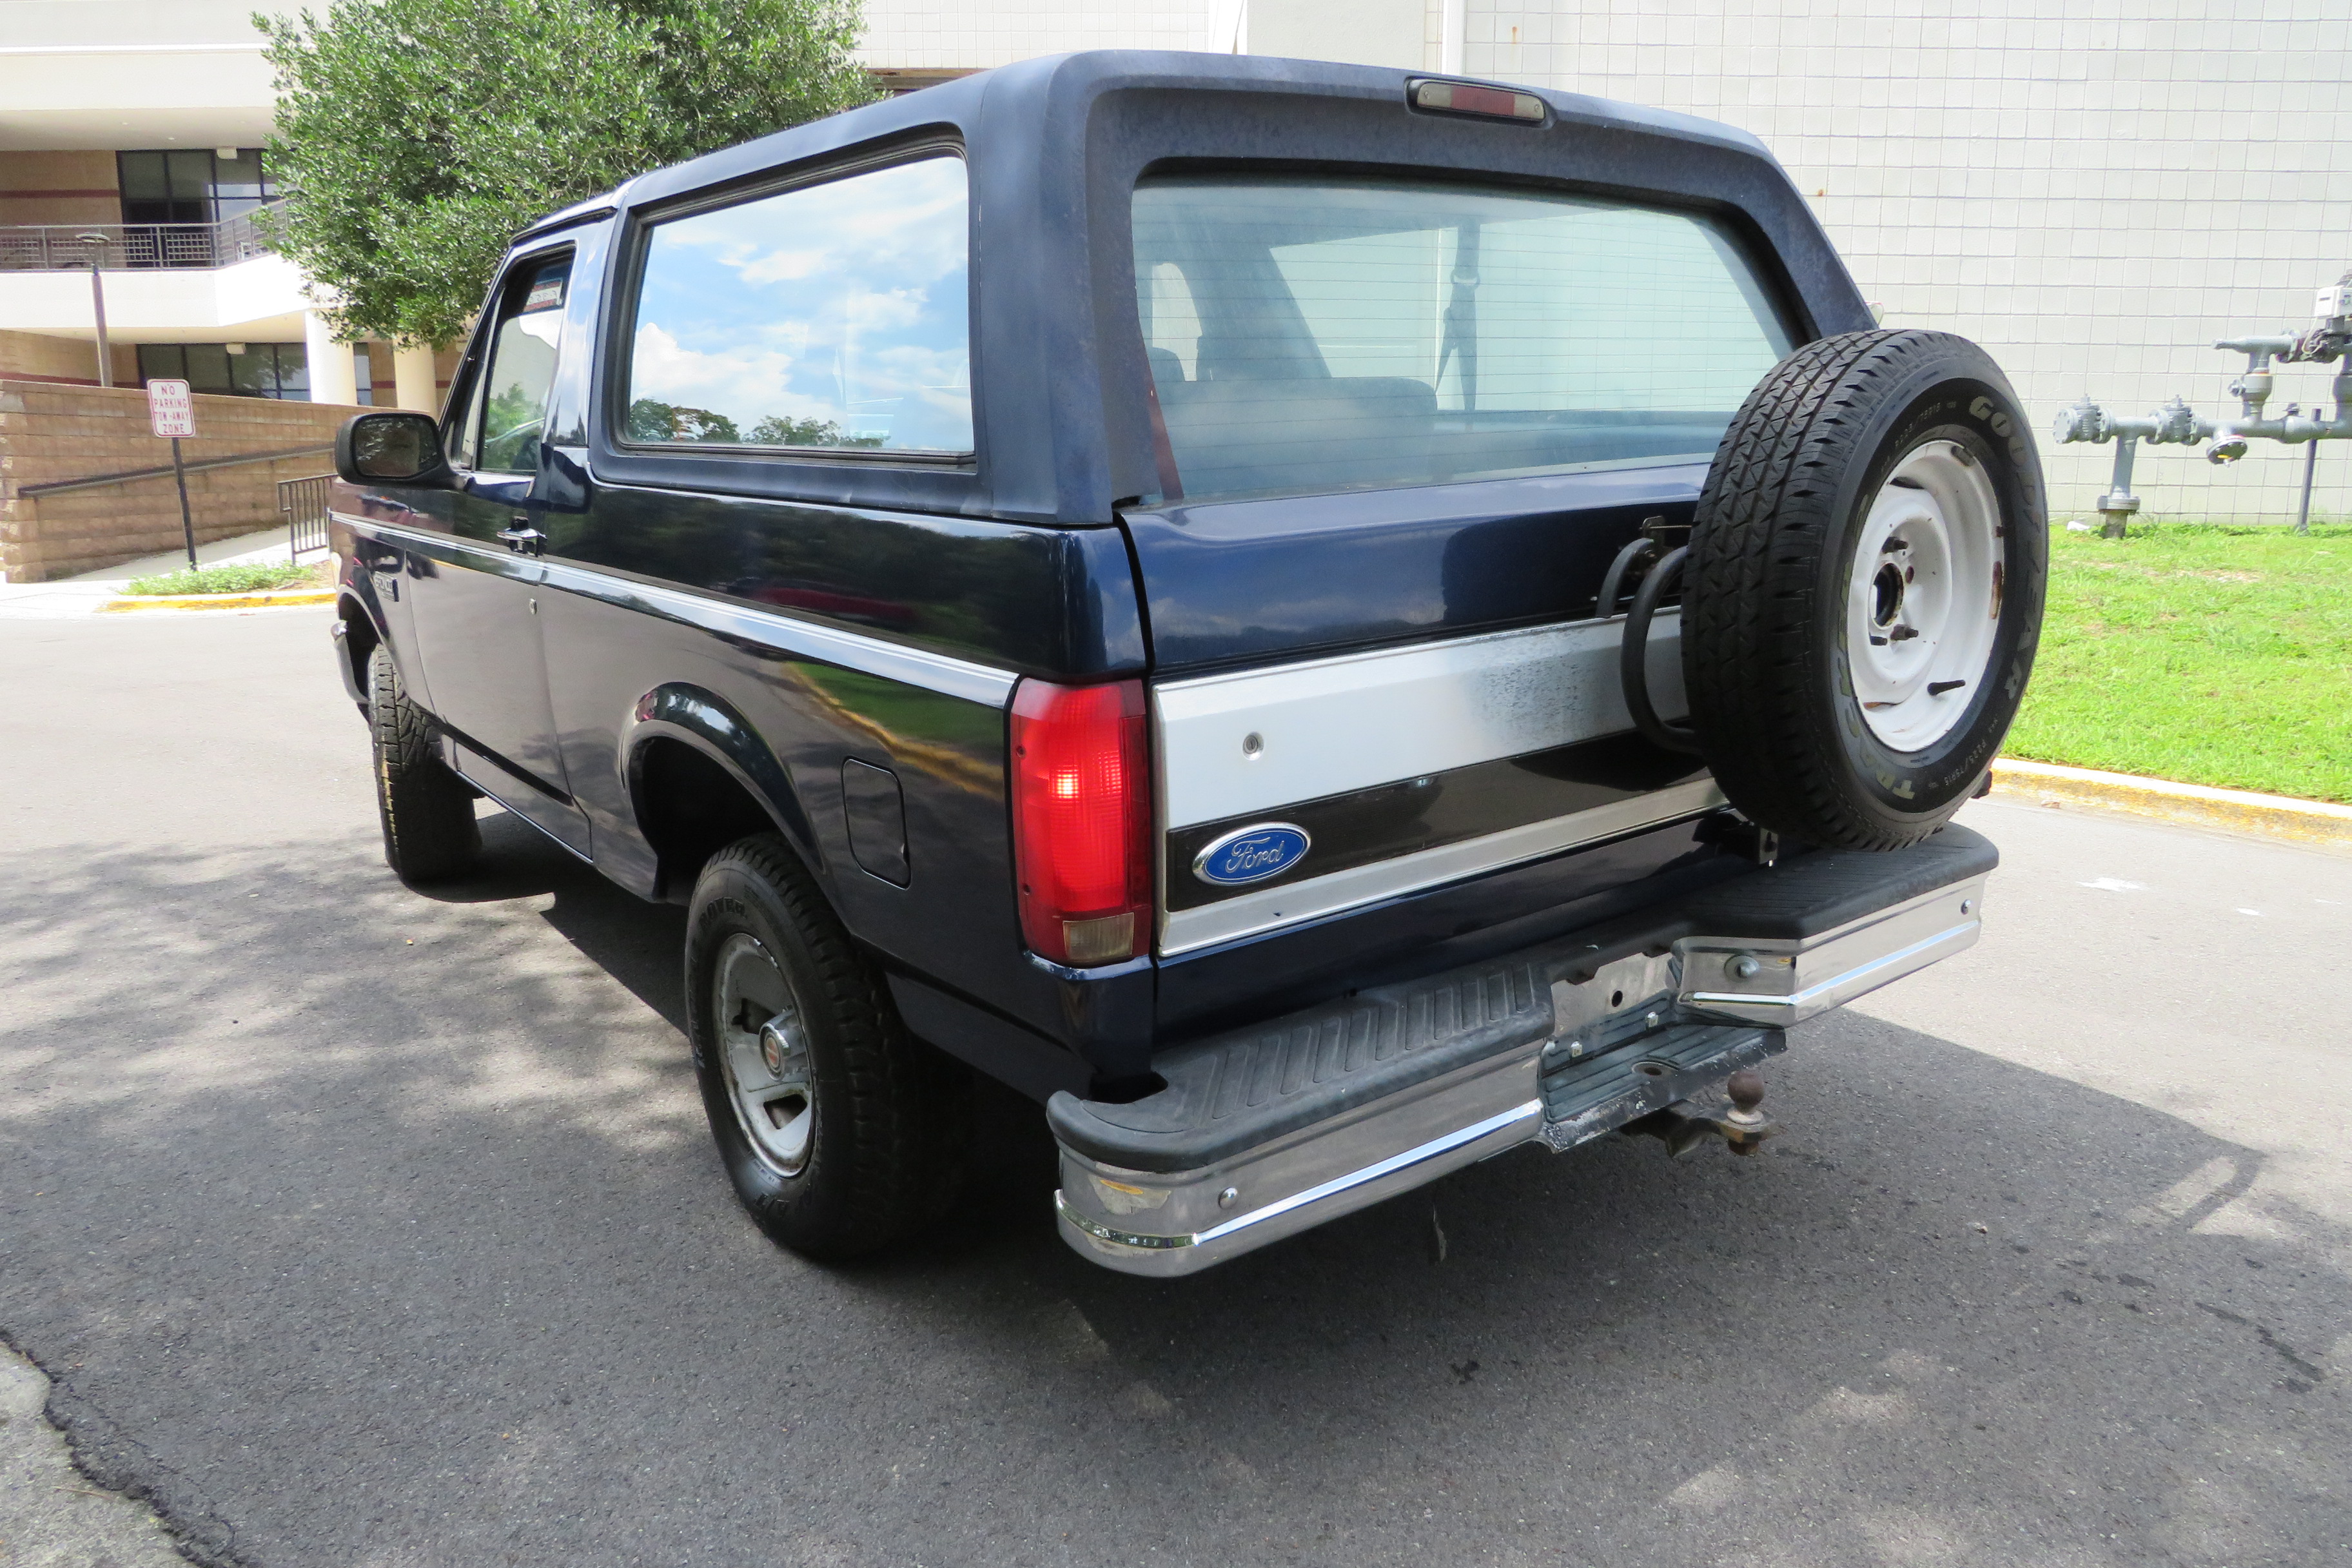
830,316
1313,334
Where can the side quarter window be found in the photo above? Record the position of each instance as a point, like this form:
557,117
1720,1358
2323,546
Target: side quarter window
507,409
832,316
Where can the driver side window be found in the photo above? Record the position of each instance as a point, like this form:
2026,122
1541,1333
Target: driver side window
508,410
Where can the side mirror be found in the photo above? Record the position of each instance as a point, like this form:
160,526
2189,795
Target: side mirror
391,449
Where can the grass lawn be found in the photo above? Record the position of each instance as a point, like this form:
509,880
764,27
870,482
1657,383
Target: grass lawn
2190,651
227,580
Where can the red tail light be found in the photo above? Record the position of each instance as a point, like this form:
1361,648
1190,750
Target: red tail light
1082,820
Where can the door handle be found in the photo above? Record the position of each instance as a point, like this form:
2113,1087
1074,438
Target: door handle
523,539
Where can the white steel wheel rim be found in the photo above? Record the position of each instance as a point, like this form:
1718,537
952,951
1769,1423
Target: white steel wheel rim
1923,604
763,1052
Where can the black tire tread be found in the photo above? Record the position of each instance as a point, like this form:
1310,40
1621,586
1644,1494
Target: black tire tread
1750,619
430,834
903,1149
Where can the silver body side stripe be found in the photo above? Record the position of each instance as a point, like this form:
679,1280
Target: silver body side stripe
1329,726
786,634
1230,920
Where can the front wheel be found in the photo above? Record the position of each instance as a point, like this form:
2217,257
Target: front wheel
1863,590
430,834
837,1127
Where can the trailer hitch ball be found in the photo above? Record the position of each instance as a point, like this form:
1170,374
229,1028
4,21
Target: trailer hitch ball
1684,1126
1744,1127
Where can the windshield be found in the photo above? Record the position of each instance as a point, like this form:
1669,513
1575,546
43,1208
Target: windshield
1308,333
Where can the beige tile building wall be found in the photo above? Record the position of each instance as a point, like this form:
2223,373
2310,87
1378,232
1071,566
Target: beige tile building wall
2095,192
37,356
49,432
58,187
977,34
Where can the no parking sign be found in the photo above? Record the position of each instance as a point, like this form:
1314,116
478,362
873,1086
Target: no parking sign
171,409
173,414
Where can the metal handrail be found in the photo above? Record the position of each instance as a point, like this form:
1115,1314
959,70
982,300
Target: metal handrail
128,475
131,247
304,502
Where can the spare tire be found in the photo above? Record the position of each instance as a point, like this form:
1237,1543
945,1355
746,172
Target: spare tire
1863,590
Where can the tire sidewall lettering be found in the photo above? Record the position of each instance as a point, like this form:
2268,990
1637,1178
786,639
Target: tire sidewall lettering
1978,417
1765,621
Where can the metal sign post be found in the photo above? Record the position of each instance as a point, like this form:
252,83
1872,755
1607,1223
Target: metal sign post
173,412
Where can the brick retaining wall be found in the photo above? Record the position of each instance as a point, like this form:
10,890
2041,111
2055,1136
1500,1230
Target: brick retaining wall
49,432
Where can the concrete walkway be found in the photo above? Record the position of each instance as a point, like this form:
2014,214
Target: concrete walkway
83,594
51,1514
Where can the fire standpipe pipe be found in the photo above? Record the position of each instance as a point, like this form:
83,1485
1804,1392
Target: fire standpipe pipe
2176,424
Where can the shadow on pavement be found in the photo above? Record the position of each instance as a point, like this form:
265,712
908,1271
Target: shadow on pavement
383,1229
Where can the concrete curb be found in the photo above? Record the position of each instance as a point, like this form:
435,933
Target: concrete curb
2231,810
220,601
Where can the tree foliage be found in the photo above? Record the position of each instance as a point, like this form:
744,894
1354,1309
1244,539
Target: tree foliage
650,420
416,137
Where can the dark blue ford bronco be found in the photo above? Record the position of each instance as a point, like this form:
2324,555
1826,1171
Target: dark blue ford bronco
1319,623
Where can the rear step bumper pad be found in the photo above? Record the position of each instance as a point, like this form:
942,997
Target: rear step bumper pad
1269,1131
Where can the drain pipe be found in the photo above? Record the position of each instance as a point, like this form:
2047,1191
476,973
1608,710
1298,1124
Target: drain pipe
2329,339
2175,424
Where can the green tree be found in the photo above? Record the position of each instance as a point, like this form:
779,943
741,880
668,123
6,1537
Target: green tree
653,420
416,137
777,430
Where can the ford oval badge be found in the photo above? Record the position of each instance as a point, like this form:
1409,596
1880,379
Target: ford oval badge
1252,854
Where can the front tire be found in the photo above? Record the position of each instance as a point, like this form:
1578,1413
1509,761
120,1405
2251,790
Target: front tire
834,1124
430,834
1863,592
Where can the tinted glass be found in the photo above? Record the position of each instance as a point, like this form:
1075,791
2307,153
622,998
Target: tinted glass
1315,334
208,368
522,369
294,371
161,361
141,176
832,316
254,373
237,183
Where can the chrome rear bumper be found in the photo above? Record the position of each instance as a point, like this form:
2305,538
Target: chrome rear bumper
1270,1130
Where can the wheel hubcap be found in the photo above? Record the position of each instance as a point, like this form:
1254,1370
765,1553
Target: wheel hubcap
763,1051
1925,602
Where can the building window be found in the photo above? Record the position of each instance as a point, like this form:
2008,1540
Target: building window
191,185
255,370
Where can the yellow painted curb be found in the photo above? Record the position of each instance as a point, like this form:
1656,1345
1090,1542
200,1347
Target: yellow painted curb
2197,805
221,601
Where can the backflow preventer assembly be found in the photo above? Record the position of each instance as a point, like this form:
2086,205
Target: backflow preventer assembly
2176,424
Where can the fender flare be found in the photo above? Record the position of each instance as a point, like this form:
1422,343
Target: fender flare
352,605
708,722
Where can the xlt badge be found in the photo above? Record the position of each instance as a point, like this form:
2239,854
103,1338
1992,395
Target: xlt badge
1251,854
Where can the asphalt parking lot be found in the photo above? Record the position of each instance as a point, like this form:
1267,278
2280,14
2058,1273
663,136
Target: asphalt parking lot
360,1227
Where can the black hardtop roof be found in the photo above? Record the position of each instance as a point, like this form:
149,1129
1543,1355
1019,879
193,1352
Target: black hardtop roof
1032,84
1054,146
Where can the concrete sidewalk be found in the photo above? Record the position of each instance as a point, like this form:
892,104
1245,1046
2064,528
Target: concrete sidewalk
84,595
52,1515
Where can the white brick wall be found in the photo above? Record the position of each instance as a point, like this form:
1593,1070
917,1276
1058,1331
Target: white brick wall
2095,191
976,33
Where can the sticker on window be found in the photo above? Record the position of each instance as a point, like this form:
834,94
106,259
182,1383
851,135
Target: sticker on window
547,294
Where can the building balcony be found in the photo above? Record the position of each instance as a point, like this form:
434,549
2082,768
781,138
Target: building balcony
131,246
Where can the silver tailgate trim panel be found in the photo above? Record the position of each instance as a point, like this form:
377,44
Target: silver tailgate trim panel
1230,920
1332,726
